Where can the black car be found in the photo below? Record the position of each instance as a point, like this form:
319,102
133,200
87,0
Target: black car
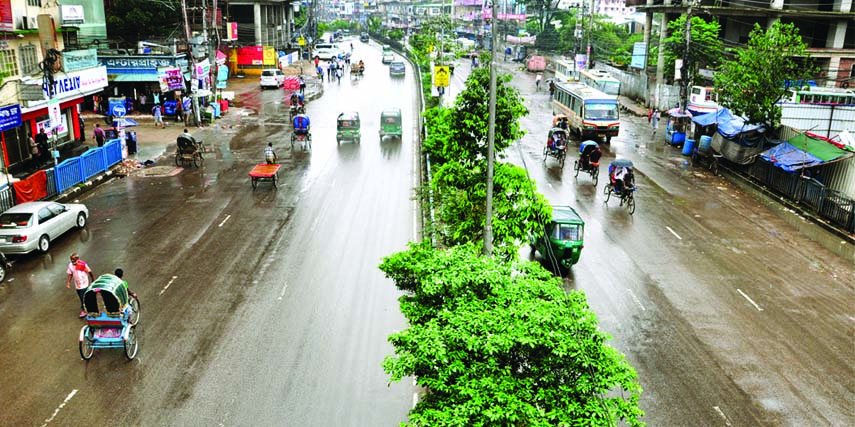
363,37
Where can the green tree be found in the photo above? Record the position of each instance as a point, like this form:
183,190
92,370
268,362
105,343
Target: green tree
705,50
540,14
374,23
503,344
461,199
471,113
396,35
131,21
756,79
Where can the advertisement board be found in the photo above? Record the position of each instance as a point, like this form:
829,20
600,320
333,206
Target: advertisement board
10,117
250,55
639,55
7,22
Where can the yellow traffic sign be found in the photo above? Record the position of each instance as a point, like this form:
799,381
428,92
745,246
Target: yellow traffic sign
301,41
440,75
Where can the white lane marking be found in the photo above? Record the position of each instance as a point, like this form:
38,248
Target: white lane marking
415,399
224,221
637,301
282,294
726,421
674,233
314,224
167,285
59,408
750,300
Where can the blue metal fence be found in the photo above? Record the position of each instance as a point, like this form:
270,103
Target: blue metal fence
78,169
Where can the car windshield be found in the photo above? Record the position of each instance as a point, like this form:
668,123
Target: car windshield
267,73
15,220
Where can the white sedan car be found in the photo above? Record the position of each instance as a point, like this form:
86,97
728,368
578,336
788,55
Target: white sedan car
30,226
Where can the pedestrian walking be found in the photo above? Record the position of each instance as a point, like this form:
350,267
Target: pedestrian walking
158,116
654,121
507,53
79,271
330,69
98,135
551,88
317,61
179,111
302,84
537,81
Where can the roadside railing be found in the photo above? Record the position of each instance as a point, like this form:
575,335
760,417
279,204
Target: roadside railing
828,204
94,161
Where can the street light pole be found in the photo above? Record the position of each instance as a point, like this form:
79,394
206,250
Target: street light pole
491,140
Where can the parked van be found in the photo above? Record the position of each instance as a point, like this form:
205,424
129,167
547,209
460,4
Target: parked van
272,77
327,51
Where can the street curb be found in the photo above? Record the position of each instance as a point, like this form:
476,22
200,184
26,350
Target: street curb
79,190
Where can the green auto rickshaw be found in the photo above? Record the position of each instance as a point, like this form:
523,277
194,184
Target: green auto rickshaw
347,127
390,123
564,235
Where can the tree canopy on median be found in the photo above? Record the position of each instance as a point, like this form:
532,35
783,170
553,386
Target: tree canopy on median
498,343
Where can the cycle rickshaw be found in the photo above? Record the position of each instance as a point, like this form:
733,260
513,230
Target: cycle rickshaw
589,160
621,184
563,238
111,317
304,137
556,146
188,151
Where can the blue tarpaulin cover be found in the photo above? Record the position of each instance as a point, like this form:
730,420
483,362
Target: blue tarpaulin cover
803,152
729,125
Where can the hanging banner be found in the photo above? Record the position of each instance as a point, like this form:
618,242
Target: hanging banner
581,61
7,22
231,31
269,56
170,78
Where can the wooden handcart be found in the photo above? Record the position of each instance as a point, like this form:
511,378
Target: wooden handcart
264,172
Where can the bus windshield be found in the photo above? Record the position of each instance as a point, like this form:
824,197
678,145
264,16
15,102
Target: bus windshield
601,111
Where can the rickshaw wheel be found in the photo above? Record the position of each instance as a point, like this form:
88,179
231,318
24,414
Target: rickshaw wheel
595,175
607,191
135,311
695,159
576,167
132,344
561,157
714,166
177,159
293,139
630,204
86,349
545,154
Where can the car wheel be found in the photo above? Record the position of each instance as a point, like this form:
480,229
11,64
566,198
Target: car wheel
2,273
81,220
44,243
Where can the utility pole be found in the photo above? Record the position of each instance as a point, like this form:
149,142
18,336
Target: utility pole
191,64
491,139
215,46
590,36
685,70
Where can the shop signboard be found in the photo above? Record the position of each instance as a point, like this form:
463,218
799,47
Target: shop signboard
72,14
76,83
639,55
10,117
7,22
73,60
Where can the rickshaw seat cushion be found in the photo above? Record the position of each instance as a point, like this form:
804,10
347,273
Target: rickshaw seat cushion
595,164
105,323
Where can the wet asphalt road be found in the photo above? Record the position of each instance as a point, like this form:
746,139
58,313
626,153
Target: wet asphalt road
259,307
265,307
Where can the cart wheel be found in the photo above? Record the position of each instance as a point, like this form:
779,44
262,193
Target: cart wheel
254,182
86,348
576,167
595,175
135,311
630,204
607,191
275,178
132,344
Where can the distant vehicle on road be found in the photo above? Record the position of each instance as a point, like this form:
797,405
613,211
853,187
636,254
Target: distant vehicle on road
397,68
33,225
591,114
273,77
327,51
363,37
388,58
600,80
